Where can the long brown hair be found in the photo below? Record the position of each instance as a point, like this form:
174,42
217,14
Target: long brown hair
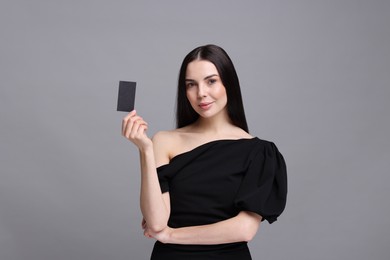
185,114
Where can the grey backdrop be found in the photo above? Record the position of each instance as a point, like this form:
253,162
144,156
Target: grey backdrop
315,79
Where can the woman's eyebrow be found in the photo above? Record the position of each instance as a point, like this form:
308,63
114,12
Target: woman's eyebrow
210,76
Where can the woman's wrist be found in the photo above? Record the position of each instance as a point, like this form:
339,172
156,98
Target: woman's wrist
146,149
170,235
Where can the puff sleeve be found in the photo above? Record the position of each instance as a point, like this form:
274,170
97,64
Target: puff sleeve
263,189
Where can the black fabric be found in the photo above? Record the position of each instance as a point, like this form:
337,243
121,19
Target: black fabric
233,251
217,180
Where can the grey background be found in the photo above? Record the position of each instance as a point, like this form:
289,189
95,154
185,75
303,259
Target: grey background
315,80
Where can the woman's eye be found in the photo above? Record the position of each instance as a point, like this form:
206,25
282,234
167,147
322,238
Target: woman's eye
212,81
190,84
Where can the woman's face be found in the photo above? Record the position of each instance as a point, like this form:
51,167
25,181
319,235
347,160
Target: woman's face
204,89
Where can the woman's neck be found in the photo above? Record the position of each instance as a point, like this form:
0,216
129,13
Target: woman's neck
217,125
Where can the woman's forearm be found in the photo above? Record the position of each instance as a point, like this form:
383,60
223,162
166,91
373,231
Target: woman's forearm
241,228
154,209
154,205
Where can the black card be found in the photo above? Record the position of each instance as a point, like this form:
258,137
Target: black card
126,96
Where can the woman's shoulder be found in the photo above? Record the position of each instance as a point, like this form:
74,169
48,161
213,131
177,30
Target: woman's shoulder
238,133
174,135
167,136
163,138
166,143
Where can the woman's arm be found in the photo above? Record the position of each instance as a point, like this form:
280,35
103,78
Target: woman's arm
154,205
240,228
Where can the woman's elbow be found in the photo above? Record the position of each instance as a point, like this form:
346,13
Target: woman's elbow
249,236
157,227
249,233
250,226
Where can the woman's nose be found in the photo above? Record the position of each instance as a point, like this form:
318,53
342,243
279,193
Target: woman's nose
202,91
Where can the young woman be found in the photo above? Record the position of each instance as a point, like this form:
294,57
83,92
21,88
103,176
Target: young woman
206,185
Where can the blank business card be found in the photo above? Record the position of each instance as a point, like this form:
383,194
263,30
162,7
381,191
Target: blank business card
126,96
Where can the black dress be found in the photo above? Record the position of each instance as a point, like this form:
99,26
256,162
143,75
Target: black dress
214,182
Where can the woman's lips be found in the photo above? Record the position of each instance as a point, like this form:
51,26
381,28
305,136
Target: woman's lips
205,105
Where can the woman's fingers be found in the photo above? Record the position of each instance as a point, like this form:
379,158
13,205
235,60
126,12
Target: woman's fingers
147,234
145,228
126,120
135,129
131,125
131,117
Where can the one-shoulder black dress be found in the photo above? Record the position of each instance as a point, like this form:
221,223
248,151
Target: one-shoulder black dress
214,182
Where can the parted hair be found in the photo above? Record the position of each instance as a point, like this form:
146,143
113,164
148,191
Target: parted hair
185,114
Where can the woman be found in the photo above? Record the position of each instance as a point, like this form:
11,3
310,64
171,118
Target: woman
206,185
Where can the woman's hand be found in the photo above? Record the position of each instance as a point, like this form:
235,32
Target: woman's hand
145,228
134,128
162,236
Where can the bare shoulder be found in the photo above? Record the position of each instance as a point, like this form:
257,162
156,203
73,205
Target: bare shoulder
160,146
243,133
161,138
163,142
164,138
238,133
168,144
